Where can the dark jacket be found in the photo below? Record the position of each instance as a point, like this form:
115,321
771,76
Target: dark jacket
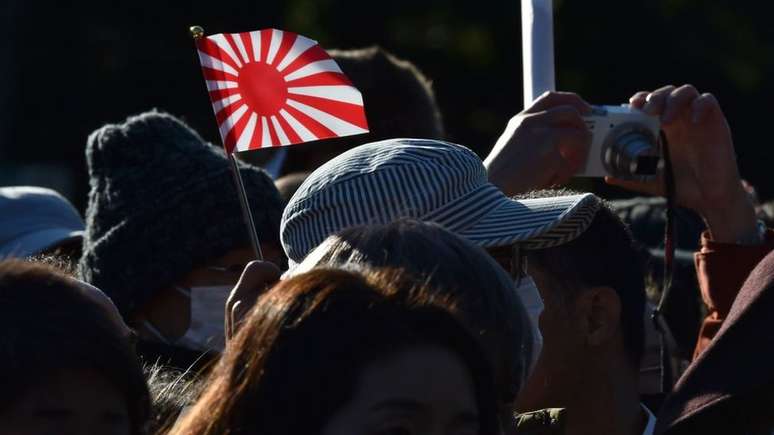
729,388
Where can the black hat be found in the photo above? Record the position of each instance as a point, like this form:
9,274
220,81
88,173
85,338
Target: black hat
163,203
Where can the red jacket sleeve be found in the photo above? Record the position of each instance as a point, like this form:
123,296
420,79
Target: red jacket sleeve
721,269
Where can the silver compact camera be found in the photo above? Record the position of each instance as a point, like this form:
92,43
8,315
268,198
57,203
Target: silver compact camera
625,144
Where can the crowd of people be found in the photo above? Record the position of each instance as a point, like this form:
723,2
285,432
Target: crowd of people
406,286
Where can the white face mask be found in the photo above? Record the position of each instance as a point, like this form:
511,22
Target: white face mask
533,304
206,330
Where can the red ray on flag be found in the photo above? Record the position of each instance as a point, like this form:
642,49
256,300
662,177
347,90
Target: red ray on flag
271,87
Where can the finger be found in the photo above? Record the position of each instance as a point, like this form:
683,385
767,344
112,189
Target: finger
233,319
574,154
678,103
257,276
229,318
655,101
231,300
571,148
703,106
238,315
552,99
566,169
639,99
556,170
229,321
560,116
655,187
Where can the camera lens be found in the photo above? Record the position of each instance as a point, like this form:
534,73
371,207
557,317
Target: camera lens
647,165
632,152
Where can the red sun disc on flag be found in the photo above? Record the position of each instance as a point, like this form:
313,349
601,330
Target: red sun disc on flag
271,87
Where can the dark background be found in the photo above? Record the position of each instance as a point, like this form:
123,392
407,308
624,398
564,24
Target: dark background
69,67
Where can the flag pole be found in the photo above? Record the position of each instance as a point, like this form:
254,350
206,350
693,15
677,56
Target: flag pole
197,32
247,214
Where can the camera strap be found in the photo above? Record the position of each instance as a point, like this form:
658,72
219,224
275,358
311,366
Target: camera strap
668,342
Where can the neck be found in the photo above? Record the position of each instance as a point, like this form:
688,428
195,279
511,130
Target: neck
609,404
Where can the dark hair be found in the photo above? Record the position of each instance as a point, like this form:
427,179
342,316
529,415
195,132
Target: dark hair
47,323
64,264
288,184
398,100
298,357
485,294
604,255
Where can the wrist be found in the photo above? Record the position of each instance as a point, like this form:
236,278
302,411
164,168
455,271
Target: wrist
732,220
506,176
496,172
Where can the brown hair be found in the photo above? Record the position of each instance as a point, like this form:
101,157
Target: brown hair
297,358
49,324
485,293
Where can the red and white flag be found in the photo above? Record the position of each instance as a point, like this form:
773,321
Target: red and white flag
271,88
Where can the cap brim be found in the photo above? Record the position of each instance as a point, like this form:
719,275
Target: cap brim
538,223
37,242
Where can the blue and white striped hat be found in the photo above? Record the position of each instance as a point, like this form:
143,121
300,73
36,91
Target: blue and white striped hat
428,180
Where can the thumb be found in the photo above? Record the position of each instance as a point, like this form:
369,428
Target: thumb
256,278
258,274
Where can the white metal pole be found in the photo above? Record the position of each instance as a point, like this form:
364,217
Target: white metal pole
537,37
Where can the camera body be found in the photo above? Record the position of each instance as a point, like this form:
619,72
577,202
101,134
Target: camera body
625,144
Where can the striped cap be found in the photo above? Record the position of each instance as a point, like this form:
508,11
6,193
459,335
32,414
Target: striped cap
427,180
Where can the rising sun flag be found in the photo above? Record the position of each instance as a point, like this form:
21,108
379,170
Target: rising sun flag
271,88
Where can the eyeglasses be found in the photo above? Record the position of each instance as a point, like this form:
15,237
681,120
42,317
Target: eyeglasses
511,258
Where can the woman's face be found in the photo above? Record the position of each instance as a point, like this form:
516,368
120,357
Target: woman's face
426,390
71,402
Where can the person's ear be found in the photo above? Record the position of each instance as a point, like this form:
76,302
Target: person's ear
600,311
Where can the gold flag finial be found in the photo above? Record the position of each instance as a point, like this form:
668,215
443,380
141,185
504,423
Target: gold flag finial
196,32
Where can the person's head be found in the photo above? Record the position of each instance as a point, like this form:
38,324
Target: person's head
338,352
66,365
427,180
35,221
593,323
453,267
165,237
398,100
288,184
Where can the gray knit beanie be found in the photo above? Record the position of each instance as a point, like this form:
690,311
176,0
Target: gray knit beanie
163,203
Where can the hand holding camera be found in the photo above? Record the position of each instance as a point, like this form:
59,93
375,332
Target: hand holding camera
703,160
560,136
542,146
